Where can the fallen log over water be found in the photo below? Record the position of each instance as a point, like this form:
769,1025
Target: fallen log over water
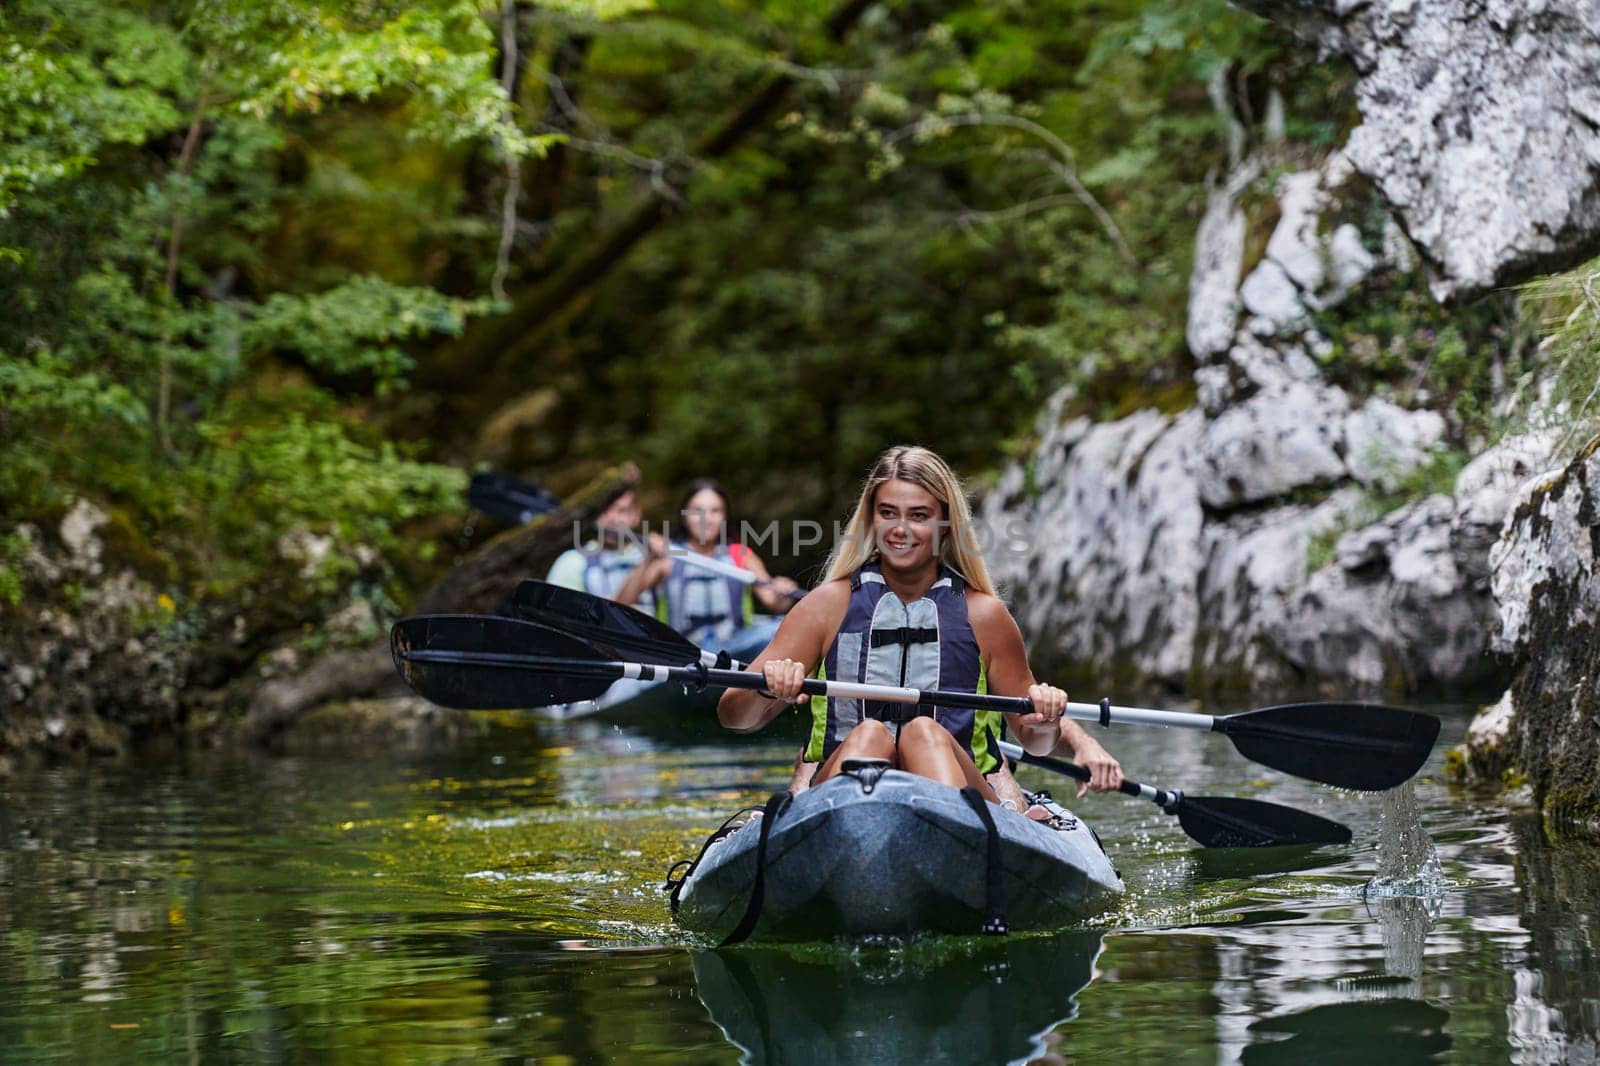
477,583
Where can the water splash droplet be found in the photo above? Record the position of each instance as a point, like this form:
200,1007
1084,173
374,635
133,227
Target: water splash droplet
1408,864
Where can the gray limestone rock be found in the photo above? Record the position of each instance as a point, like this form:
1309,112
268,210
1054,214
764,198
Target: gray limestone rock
1282,438
1304,269
1179,549
1214,282
1253,564
1383,441
1295,245
1480,125
78,536
1400,606
1491,484
1546,580
1269,293
1487,752
1101,568
1173,549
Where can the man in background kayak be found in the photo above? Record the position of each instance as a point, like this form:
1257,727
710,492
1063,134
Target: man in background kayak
705,587
908,601
602,565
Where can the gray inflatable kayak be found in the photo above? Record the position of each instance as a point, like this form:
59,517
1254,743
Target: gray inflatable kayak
898,856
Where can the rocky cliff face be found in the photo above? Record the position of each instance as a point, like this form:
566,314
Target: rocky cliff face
1546,575
1252,543
119,654
129,664
1480,125
1237,546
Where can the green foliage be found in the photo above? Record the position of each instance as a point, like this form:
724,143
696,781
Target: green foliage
1197,37
154,354
342,331
239,231
298,472
45,385
1566,310
79,77
438,55
14,548
1396,340
906,254
1437,474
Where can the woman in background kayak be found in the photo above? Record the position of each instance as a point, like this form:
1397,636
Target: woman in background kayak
907,601
714,610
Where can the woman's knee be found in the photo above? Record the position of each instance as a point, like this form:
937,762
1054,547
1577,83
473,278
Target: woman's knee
870,733
925,730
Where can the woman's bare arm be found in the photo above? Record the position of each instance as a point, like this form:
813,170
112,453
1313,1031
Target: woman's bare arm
1006,662
651,571
803,638
774,596
1105,773
1010,675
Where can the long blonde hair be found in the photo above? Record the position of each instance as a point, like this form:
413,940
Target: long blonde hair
958,544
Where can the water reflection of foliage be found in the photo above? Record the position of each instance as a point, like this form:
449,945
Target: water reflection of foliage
316,909
153,913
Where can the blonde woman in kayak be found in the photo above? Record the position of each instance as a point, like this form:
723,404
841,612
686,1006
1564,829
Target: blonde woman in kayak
907,601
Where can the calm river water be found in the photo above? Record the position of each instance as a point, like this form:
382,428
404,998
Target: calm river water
502,901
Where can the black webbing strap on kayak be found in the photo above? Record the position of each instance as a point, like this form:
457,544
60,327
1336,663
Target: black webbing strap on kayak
994,889
675,880
776,805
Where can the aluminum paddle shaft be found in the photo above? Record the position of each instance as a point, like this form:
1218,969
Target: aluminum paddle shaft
1159,796
1214,821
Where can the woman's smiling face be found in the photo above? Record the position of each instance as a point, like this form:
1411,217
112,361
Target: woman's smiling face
908,524
704,516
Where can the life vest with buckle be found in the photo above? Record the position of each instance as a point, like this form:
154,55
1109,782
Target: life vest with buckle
925,644
605,570
702,605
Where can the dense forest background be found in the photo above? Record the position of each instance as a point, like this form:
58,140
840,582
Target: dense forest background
288,266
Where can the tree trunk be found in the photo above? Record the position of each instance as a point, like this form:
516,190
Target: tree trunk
496,343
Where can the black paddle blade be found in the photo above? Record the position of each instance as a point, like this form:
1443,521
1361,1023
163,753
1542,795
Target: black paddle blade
613,628
509,499
475,682
1226,822
1351,745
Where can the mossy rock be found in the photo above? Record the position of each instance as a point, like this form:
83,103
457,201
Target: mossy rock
126,546
405,721
1557,687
